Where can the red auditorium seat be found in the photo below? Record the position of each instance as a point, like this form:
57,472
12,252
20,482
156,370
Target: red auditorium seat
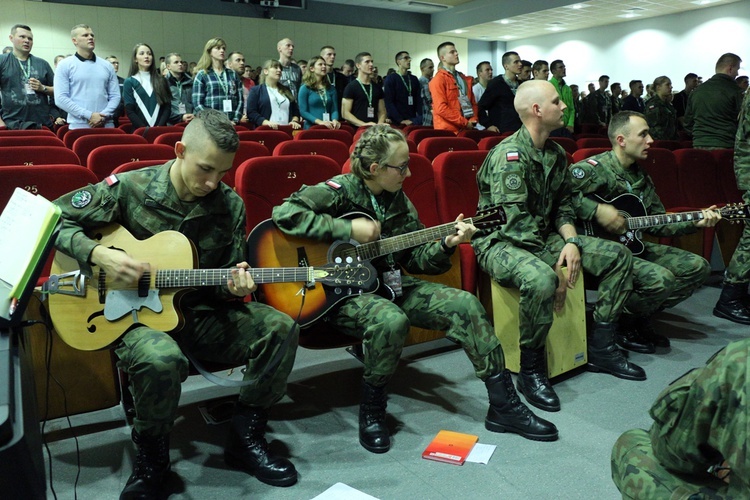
423,133
269,138
343,126
104,159
60,132
71,135
27,132
406,130
151,133
334,149
40,155
569,145
593,142
286,129
169,138
430,147
727,179
324,133
135,165
582,154
477,135
412,146
661,166
665,144
490,142
30,141
246,151
84,145
127,128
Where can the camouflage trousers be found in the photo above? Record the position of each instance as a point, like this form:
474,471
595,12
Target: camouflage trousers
383,326
700,420
664,276
738,270
235,333
534,276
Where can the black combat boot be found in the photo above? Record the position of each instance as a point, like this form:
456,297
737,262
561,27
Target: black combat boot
604,355
373,433
732,304
151,466
247,448
646,330
508,414
533,382
630,337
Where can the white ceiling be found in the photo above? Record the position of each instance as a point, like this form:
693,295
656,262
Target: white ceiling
585,14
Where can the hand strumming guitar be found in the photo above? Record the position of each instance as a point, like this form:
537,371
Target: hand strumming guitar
365,230
610,219
124,270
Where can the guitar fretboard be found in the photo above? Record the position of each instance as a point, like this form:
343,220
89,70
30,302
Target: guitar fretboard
663,219
172,278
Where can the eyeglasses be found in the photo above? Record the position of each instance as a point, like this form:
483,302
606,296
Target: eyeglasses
402,169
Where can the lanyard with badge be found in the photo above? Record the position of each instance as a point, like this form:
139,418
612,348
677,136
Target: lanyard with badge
224,82
181,109
26,76
370,109
410,99
466,109
392,278
323,94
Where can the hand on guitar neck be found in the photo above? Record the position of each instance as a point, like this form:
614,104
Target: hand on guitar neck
464,232
711,216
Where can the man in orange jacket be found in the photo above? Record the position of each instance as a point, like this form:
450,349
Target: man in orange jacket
453,105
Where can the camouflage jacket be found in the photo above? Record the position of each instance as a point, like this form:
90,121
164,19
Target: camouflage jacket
605,176
662,119
712,111
145,203
742,147
316,212
534,188
603,106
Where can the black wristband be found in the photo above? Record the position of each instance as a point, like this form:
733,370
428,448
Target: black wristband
444,246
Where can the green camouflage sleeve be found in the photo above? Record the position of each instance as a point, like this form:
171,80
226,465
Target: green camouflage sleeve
742,147
312,213
424,259
584,181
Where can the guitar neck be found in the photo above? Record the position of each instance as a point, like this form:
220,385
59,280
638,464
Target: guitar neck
645,221
372,250
173,278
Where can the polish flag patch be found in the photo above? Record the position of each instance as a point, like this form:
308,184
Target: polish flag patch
511,156
593,162
333,184
111,180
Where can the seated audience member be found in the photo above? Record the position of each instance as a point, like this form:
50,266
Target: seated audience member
697,444
148,101
453,105
663,275
660,114
215,86
186,195
270,103
380,164
402,93
363,104
527,175
318,103
181,88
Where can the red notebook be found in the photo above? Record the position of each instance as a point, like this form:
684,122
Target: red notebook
450,447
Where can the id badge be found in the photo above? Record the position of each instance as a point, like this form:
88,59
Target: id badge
181,108
29,90
370,112
392,279
410,100
466,108
326,117
227,103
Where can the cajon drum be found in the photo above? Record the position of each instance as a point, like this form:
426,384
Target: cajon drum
566,342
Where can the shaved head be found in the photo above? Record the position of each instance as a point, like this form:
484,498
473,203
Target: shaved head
530,93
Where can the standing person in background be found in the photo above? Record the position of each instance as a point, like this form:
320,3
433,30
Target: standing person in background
318,102
338,79
484,75
86,87
270,103
660,114
403,100
680,99
559,72
291,74
181,88
634,101
148,101
363,104
427,68
216,87
496,110
120,111
453,105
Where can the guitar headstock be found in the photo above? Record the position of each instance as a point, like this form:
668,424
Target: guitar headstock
360,275
735,212
489,218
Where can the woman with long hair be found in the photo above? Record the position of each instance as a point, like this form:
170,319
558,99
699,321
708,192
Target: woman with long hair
660,113
215,86
148,101
318,101
271,103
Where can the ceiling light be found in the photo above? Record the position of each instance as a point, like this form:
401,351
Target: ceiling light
578,6
458,32
417,3
704,2
503,21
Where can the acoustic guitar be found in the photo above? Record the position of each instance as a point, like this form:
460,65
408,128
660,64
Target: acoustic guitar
269,246
631,207
90,314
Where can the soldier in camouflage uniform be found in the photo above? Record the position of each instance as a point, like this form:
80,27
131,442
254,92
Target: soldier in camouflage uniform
603,106
734,303
663,276
697,445
380,164
660,113
185,195
527,174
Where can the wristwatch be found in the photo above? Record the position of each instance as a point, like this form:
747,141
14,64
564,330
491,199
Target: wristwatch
576,241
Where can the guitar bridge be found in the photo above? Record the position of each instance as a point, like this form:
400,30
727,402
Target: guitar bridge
72,283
